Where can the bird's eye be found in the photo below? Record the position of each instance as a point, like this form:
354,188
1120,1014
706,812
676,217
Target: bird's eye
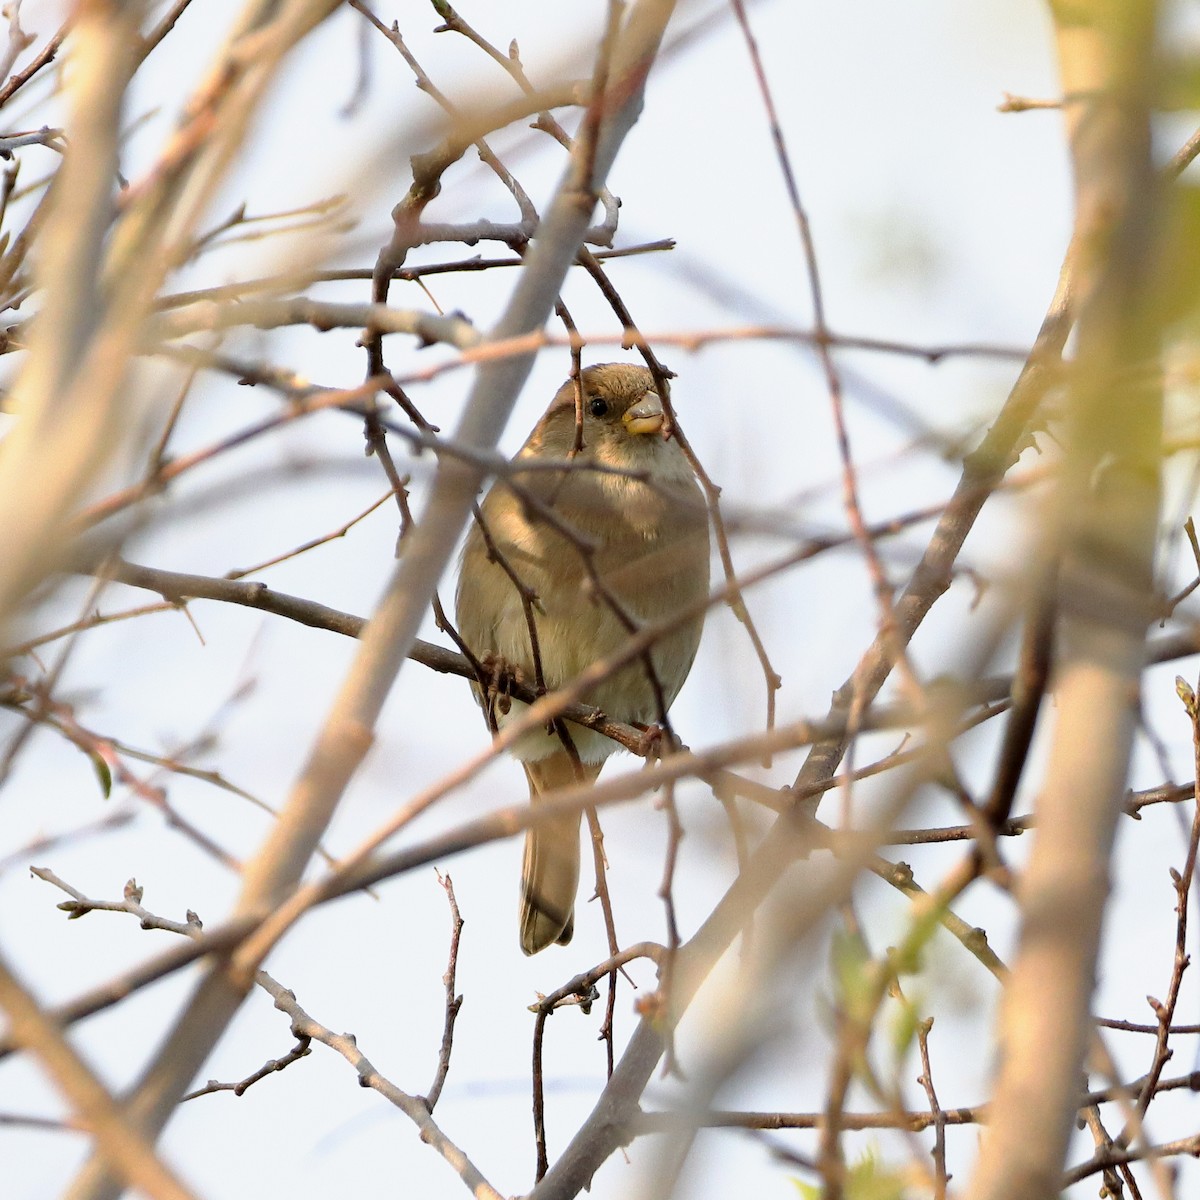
598,406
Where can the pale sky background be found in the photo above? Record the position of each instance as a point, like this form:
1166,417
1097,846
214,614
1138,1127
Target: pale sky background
937,219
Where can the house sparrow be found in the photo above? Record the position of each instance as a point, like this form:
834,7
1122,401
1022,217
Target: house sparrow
649,557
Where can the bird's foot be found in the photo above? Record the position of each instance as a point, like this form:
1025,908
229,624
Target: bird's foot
501,676
653,742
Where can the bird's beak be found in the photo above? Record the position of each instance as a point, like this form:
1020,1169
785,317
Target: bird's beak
646,416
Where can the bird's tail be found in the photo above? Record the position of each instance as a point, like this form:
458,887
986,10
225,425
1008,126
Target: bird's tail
550,871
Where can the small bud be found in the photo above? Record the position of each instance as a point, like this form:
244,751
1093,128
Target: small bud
1184,691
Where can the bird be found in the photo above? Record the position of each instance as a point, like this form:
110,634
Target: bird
615,540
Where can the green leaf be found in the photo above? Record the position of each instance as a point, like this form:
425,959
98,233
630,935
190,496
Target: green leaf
869,1179
103,773
851,970
809,1191
866,1179
904,1027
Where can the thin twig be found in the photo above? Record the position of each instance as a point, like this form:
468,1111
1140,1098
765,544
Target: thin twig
453,999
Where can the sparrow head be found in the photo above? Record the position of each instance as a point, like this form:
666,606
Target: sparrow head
623,417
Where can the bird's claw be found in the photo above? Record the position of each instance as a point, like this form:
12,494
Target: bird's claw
652,742
501,676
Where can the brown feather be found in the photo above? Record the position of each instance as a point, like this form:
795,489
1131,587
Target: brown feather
550,868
